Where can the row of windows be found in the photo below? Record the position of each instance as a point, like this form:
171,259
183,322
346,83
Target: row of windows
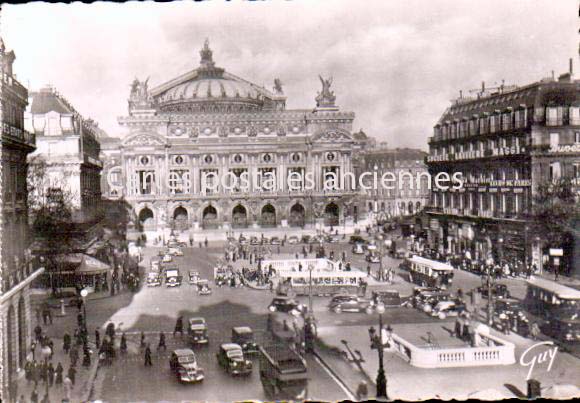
481,146
506,203
483,125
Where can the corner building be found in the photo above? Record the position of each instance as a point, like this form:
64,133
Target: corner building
191,139
505,142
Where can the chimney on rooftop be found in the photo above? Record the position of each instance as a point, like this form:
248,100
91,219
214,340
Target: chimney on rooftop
483,86
571,68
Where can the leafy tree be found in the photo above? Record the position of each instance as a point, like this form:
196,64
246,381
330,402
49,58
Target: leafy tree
556,215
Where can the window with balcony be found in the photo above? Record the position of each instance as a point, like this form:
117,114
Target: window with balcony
506,121
520,118
554,140
483,125
575,115
576,171
554,116
577,137
494,123
555,171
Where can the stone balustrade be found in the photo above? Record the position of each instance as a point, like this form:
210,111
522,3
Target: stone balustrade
490,351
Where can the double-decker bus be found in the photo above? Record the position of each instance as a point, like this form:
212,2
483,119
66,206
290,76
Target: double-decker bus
283,373
429,273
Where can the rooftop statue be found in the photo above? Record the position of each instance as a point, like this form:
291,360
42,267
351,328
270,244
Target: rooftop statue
139,96
325,97
278,87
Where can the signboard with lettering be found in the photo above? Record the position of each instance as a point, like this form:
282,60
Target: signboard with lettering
556,252
565,148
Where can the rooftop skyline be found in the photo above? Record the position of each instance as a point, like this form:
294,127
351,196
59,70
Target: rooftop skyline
395,64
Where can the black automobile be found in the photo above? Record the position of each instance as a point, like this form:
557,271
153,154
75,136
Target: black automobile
497,291
305,239
197,331
566,330
356,239
244,336
389,298
184,366
231,357
351,303
286,305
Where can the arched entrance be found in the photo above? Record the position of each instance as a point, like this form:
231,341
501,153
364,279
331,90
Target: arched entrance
21,333
417,207
331,212
239,217
180,218
268,216
209,217
297,215
9,360
146,219
410,209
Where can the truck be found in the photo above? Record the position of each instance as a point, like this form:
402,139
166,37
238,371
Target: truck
283,373
172,277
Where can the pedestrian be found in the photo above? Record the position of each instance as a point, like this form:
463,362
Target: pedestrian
466,334
86,357
74,356
72,374
148,362
50,374
68,385
59,370
38,332
178,326
142,344
162,344
457,332
368,270
535,330
34,372
97,338
46,398
123,346
205,242
34,397
362,391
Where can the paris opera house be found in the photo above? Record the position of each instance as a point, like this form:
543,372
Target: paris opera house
187,141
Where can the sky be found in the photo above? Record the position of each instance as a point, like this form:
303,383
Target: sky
396,63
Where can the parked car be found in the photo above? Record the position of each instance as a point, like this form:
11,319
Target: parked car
167,259
444,309
172,277
194,277
293,240
333,238
175,251
155,266
254,240
286,305
197,331
566,330
275,241
373,257
184,365
305,239
425,298
351,303
243,240
497,291
153,279
231,357
244,336
358,249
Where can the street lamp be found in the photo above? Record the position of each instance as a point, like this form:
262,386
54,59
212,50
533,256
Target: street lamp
379,341
84,294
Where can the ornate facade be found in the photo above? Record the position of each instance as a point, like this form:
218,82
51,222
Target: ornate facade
16,272
68,147
211,150
506,142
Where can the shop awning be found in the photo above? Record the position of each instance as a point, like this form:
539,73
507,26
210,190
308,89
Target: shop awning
90,265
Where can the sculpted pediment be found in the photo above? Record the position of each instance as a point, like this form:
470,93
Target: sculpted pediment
332,135
144,139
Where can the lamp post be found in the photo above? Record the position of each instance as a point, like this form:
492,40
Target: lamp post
84,294
310,269
378,342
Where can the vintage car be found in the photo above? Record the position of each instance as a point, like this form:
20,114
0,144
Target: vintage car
172,277
371,245
286,305
231,357
373,257
354,239
244,336
197,331
497,291
333,238
203,287
275,241
444,309
167,259
194,277
389,298
184,365
293,240
175,251
153,279
425,298
254,241
155,266
243,240
566,330
358,249
305,239
351,303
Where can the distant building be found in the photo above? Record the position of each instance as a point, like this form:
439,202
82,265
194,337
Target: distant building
69,146
408,193
16,269
505,142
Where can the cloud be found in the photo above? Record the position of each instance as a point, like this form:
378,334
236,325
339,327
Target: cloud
396,64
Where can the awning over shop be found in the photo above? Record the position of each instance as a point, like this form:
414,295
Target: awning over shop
90,265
